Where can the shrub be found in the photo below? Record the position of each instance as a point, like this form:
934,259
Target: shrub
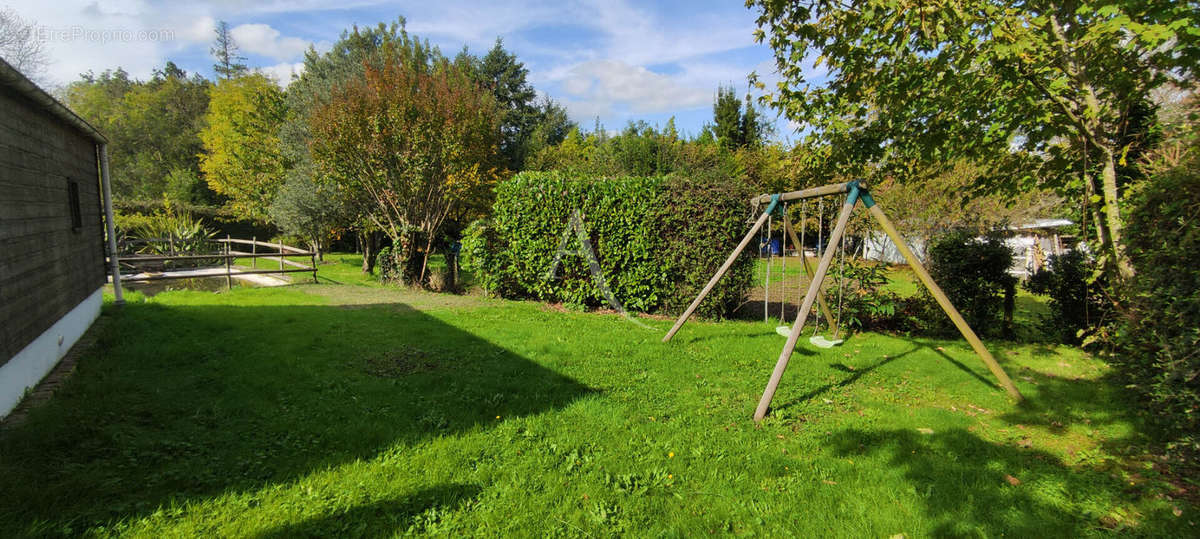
166,232
219,219
657,240
973,271
482,255
865,303
1077,306
1156,344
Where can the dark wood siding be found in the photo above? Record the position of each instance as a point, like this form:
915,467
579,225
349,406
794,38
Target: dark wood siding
46,268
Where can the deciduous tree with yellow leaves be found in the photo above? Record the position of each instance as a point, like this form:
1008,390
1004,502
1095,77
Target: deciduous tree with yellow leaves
242,158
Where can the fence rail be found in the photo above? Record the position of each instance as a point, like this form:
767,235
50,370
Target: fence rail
224,256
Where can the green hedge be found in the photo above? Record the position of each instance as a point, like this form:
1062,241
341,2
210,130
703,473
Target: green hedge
1157,338
658,240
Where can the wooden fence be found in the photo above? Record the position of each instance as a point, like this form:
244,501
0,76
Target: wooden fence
163,251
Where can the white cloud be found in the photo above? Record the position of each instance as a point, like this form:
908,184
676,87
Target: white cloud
595,56
600,84
264,40
140,35
199,31
282,73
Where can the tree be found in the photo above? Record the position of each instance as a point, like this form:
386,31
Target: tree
727,118
225,50
304,209
501,73
20,45
242,159
153,130
752,130
550,127
736,126
413,138
912,83
323,73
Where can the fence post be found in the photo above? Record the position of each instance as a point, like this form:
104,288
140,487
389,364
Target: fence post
312,255
281,257
254,252
228,266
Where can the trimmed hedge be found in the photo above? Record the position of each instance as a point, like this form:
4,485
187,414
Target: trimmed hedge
657,239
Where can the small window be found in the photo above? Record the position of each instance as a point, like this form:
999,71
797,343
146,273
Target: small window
73,200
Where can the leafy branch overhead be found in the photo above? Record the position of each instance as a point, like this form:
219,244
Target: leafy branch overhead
900,84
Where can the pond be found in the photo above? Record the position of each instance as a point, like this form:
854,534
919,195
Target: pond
207,284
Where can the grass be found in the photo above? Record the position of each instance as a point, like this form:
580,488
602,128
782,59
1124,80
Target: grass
358,410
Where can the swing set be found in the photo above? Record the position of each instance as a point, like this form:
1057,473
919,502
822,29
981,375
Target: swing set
789,231
855,192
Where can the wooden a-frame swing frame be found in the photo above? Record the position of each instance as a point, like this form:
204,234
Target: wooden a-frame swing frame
855,192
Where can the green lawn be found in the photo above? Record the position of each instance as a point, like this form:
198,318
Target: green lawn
357,410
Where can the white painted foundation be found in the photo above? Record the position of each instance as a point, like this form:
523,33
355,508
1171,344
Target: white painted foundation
33,362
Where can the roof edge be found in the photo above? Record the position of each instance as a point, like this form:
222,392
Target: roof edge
18,82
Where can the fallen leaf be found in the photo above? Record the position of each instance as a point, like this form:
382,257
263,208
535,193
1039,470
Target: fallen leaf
924,430
1176,511
1025,443
1012,480
828,482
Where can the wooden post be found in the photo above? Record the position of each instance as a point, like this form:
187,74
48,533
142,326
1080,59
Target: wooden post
944,302
787,224
254,251
114,261
717,276
281,256
814,288
312,257
228,266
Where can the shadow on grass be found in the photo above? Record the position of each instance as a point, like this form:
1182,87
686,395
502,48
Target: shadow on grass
179,403
1056,403
957,364
380,519
855,374
971,487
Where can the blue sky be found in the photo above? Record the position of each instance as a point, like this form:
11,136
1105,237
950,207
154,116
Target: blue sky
615,60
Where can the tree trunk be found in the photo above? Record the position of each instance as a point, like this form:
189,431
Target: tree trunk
1112,214
314,245
367,242
425,259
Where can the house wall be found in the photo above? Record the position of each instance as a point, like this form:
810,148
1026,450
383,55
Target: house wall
47,269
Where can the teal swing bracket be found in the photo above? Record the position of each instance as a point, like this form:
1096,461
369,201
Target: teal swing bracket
773,207
856,191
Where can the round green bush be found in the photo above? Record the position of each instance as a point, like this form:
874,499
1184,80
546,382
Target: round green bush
973,271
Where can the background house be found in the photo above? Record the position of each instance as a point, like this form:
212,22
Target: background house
1032,244
52,232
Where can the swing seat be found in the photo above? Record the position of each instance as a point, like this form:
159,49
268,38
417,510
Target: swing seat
821,342
783,330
